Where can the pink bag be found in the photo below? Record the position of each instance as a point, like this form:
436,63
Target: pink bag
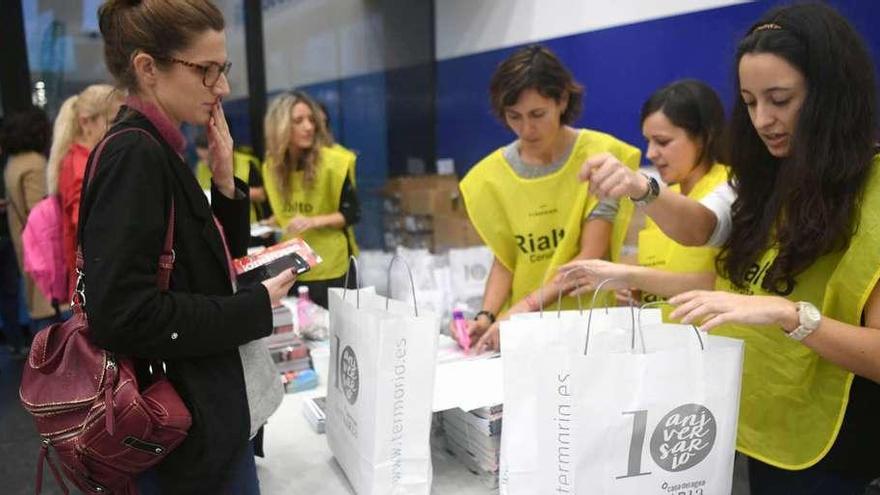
43,249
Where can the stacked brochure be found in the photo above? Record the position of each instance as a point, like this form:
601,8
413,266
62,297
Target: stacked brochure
475,439
313,410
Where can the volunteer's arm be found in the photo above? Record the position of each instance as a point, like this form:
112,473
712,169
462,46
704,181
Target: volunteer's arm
852,347
584,275
685,220
349,214
594,242
498,287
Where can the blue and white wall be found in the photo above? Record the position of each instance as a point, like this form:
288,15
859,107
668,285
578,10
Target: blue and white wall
620,51
359,57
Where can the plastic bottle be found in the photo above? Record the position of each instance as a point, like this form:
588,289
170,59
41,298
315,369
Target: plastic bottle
461,333
303,315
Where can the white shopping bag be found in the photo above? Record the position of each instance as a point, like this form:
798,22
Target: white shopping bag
661,419
379,393
469,269
540,351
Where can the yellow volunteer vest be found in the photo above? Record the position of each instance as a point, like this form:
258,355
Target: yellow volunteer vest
321,199
349,157
656,250
241,169
534,225
793,401
345,155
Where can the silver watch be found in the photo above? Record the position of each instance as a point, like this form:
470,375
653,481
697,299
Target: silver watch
651,194
809,318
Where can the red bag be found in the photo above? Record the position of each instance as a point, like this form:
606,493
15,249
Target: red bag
88,406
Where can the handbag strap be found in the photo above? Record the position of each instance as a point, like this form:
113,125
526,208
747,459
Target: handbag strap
166,259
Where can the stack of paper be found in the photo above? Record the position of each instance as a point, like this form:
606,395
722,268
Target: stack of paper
289,352
313,410
475,439
282,319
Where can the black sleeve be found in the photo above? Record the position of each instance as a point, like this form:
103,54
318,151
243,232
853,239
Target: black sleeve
255,178
234,215
349,205
127,207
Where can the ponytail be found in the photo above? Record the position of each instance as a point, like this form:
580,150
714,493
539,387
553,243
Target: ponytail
65,131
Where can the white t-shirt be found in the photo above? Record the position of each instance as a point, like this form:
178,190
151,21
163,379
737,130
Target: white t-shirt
720,201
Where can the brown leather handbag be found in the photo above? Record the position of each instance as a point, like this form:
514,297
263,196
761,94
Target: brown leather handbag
88,405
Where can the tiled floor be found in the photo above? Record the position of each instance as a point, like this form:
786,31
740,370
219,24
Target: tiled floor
19,444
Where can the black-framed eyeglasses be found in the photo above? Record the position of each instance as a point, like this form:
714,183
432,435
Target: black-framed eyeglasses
210,71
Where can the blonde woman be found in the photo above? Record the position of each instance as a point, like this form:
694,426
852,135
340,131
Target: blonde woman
81,123
311,189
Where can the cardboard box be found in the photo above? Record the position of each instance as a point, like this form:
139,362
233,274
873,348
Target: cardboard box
452,231
425,194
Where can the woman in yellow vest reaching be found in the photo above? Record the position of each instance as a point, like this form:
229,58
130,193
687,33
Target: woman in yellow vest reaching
683,124
311,190
801,253
524,199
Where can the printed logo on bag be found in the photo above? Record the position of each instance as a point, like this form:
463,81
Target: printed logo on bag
475,272
350,377
683,438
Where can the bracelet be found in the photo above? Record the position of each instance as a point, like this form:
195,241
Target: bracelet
487,314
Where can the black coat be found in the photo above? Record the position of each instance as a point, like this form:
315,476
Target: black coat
195,327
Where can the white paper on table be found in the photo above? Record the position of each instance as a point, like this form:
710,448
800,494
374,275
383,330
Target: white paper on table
258,230
448,351
468,384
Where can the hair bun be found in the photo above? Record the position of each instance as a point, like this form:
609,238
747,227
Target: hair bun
122,3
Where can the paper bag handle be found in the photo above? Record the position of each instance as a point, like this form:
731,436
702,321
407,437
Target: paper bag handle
593,307
559,296
660,303
412,283
357,274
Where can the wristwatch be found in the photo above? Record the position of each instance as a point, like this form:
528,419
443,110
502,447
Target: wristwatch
809,319
651,194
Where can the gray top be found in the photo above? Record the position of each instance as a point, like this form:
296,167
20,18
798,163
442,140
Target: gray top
605,210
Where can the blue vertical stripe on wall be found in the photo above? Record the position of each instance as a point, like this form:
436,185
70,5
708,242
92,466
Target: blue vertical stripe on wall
358,119
620,67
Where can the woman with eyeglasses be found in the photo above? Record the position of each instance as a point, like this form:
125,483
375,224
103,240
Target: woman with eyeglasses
311,189
171,59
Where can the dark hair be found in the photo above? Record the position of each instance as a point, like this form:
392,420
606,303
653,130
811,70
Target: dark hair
695,107
807,203
537,68
156,27
25,130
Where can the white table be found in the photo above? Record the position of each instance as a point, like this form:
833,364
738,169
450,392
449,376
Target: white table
298,460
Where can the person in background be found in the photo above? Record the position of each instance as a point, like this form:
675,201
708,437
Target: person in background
683,124
245,167
524,198
329,139
171,59
25,137
81,123
13,332
800,256
311,189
